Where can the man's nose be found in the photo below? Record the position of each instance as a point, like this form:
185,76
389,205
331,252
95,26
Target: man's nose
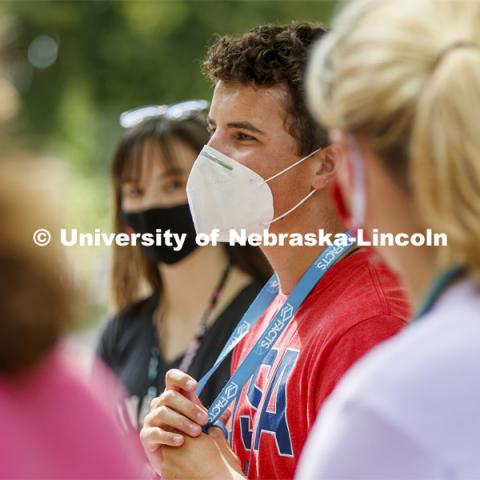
219,141
215,141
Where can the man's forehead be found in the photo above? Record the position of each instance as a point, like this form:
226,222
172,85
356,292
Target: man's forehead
234,99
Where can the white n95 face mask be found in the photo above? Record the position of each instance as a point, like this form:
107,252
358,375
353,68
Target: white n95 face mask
223,194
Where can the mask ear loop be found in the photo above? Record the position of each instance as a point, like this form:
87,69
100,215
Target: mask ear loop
293,165
281,173
267,224
293,208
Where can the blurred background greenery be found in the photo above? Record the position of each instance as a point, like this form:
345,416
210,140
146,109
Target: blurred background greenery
77,65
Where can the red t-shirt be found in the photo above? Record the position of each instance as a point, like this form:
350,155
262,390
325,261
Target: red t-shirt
356,305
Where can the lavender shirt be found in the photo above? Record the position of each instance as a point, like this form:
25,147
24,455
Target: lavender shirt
411,408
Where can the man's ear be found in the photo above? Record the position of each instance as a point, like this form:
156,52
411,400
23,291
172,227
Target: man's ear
329,159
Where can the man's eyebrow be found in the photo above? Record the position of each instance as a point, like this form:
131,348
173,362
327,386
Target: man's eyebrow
245,126
242,125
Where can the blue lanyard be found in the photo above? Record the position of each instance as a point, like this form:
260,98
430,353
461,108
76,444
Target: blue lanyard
438,287
278,324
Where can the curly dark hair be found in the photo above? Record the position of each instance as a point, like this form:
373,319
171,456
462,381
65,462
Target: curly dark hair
270,55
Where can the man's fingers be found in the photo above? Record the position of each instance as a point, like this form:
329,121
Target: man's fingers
158,401
181,382
225,417
176,401
164,416
153,437
177,380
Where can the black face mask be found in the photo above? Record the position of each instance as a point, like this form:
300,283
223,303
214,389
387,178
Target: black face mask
176,219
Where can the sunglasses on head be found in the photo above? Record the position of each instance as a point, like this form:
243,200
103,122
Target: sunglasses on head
186,110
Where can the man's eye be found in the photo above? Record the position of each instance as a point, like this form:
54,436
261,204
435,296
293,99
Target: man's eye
210,130
244,137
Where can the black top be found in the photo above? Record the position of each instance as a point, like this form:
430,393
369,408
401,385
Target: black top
126,343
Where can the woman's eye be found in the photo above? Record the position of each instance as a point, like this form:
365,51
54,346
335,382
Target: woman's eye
131,191
174,185
210,130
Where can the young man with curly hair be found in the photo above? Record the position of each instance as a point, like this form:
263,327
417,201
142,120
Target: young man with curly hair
258,118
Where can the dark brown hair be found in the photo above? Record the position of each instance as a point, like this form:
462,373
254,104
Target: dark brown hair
130,267
37,299
267,56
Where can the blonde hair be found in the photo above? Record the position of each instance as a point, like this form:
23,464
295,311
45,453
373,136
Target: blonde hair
406,77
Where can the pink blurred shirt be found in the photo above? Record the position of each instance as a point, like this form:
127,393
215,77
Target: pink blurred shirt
54,425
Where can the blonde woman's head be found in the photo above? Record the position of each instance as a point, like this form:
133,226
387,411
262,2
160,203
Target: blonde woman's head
403,78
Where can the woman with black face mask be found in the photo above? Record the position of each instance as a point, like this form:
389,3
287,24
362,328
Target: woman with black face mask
176,308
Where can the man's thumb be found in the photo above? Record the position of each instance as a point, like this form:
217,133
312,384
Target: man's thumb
219,437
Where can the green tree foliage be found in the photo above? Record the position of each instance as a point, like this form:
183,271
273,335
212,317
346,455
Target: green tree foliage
115,55
112,56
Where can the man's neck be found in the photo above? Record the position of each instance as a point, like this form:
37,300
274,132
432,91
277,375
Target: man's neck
291,262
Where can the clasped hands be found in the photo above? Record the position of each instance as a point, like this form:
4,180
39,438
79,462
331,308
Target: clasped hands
173,440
